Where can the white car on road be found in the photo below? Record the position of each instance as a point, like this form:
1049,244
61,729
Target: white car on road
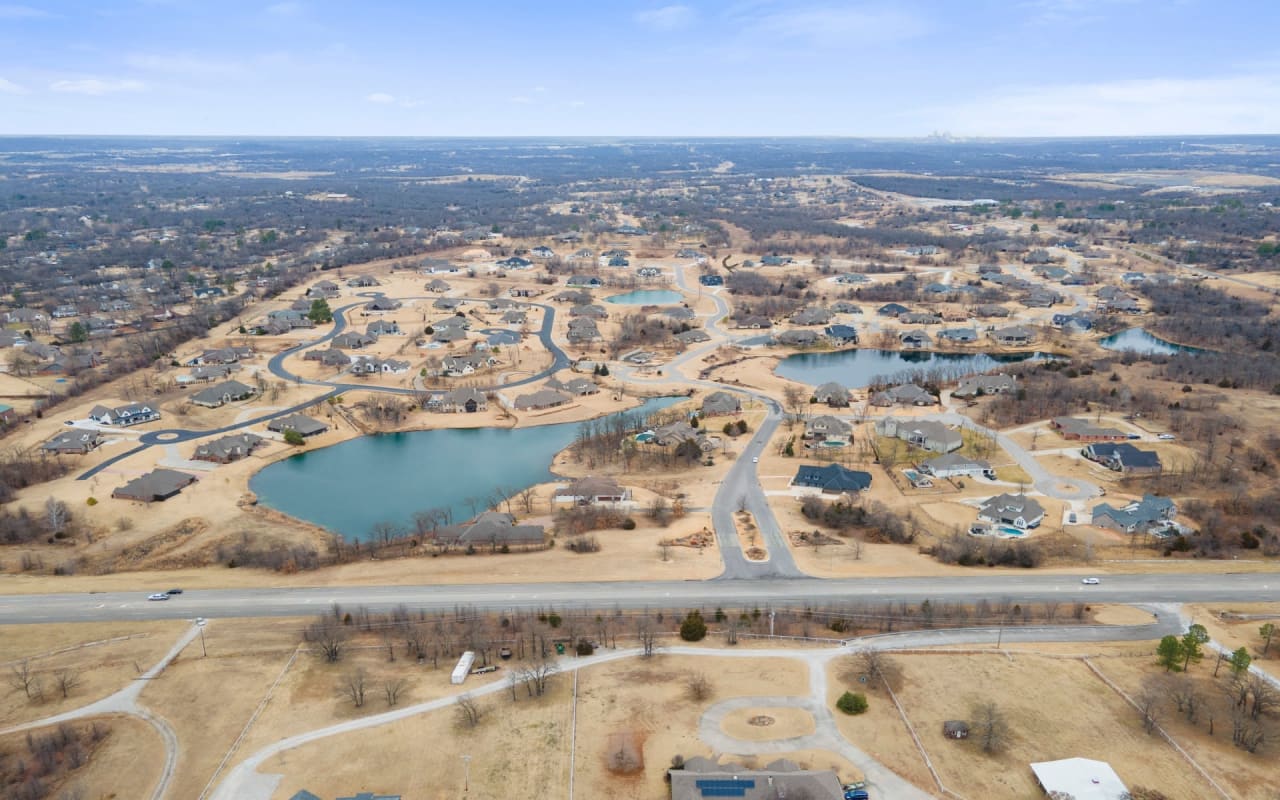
158,596
1090,581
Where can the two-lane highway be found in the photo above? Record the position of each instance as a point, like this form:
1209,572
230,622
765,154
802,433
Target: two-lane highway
758,592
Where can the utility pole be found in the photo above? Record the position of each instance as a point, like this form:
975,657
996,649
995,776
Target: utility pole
466,775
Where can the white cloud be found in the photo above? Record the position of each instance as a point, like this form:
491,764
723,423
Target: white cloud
381,98
9,87
1138,107
98,86
285,9
837,25
181,64
666,18
21,12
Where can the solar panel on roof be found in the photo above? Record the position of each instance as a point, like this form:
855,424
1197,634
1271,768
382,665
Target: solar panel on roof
725,787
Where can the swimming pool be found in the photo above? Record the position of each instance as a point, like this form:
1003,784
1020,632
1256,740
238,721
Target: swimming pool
1009,530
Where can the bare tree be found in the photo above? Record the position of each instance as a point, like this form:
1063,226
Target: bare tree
467,712
536,674
57,514
647,634
354,684
698,686
328,634
1148,701
990,728
24,679
878,667
391,688
528,498
67,680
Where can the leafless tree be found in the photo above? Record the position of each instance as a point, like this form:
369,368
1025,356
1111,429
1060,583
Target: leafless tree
647,634
1148,701
57,514
24,679
528,497
354,685
879,668
990,728
391,688
1265,697
1246,732
664,547
328,634
1186,697
467,712
67,680
698,685
537,673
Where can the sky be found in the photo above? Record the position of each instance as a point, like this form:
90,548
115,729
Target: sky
898,68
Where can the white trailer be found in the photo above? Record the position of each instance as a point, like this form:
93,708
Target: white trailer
463,669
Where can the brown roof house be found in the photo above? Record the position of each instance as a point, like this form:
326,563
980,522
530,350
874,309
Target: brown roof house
157,485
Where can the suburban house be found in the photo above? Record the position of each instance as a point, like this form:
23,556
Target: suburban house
990,310
852,277
465,400
324,289
753,322
953,465
543,398
448,303
892,310
1018,510
329,357
711,280
223,393
591,281
514,317
302,424
919,318
979,385
283,320
77,440
542,251
719,403
124,416
1079,430
210,373
590,310
796,338
1041,298
222,356
368,365
845,307
157,485
1013,336
648,272
923,433
828,430
592,490
1073,323
449,335
455,322
675,433
457,366
833,395
915,340
228,448
694,336
379,305
1080,779
678,313
579,387
363,282
832,479
515,262
492,529
1140,516
908,394
1123,457
352,340
811,315
958,335
841,334
382,327
583,331
437,285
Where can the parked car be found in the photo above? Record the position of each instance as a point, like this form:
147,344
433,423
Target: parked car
158,596
1166,437
1071,518
1090,581
1135,436
483,670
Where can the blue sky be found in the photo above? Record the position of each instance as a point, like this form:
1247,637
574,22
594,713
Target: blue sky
753,67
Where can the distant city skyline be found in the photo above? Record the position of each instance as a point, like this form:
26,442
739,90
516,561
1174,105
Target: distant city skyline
744,68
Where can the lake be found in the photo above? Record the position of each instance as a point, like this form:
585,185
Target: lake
1139,341
857,369
388,477
646,297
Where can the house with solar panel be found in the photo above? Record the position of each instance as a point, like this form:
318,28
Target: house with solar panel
704,778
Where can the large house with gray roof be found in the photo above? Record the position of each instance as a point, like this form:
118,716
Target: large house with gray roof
228,448
1140,516
1018,510
923,433
155,486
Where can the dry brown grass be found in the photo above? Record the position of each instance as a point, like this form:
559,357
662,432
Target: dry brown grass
126,764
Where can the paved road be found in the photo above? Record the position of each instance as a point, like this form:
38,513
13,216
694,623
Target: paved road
1030,586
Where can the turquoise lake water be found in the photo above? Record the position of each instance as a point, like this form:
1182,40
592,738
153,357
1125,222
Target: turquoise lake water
646,297
388,477
857,369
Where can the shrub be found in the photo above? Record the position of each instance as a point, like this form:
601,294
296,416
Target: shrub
92,501
554,620
294,438
585,648
628,524
693,629
852,703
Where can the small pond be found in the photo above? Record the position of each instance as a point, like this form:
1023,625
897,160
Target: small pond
1139,341
857,369
388,477
646,297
